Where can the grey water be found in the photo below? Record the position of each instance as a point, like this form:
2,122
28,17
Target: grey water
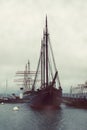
65,118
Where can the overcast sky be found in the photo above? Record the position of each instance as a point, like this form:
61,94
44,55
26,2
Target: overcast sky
21,28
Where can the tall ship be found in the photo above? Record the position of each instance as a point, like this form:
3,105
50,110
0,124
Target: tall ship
46,89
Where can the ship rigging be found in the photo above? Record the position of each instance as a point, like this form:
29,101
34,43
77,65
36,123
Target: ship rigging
47,92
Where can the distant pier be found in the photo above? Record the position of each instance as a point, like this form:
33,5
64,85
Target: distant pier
77,100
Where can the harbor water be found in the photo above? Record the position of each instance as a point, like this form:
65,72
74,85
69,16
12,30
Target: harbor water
65,118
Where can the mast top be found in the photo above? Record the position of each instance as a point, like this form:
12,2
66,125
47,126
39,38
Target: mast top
46,20
46,26
28,62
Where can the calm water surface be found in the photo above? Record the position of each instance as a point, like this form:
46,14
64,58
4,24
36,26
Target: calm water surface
66,118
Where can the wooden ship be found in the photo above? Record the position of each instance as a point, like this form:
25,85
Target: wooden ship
47,93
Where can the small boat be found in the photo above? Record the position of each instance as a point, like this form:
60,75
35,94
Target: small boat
2,103
15,108
47,93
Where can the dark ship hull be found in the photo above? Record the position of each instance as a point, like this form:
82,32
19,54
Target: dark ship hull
80,102
47,98
77,97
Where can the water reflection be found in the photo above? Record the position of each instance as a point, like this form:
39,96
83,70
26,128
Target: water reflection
66,118
48,119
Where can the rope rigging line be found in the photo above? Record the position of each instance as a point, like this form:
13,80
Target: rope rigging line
54,62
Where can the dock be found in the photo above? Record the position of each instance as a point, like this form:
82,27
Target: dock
76,100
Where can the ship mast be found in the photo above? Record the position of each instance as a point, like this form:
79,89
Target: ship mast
44,62
46,35
29,73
